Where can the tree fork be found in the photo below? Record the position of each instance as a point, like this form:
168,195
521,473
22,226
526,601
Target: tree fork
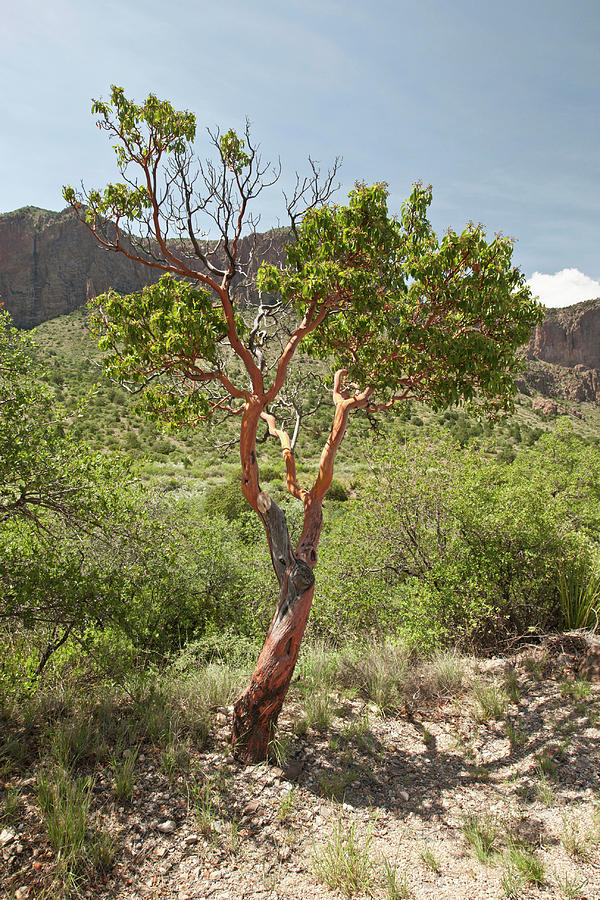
257,709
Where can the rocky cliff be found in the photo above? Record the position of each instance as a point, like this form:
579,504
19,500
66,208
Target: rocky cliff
50,264
569,337
564,353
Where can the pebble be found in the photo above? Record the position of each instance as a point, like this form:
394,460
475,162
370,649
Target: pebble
167,827
6,836
251,807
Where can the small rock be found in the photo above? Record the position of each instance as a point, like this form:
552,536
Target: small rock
167,827
251,807
293,769
6,836
404,795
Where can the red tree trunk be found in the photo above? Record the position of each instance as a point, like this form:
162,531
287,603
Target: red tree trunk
257,709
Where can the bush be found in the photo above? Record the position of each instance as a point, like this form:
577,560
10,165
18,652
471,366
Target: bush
448,546
226,500
337,491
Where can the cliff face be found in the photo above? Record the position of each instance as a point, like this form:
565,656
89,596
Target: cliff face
50,264
564,353
569,337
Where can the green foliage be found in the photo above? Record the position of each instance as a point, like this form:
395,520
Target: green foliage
45,476
226,500
337,491
446,317
232,151
148,132
63,508
170,328
445,543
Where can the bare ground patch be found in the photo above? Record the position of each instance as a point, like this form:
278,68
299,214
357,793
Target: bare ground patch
487,786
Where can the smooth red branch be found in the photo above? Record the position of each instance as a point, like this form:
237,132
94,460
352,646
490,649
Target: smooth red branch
307,325
288,455
344,404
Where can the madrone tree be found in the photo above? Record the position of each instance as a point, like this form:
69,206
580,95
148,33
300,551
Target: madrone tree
398,313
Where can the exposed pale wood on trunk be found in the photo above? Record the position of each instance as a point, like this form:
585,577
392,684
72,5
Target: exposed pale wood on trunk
257,709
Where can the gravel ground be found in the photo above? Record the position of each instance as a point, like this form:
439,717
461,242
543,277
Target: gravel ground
523,759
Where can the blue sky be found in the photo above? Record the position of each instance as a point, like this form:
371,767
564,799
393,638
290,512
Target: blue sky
495,104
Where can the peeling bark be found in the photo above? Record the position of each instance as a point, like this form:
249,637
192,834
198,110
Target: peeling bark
257,709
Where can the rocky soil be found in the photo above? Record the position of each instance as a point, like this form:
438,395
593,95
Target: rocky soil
513,755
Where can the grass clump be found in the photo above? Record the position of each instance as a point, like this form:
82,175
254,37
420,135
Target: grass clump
65,805
580,689
287,804
333,786
72,741
544,790
575,838
445,674
492,702
396,886
523,861
516,735
512,687
123,774
430,860
10,806
318,712
175,759
546,765
579,599
343,862
381,675
480,833
571,888
206,806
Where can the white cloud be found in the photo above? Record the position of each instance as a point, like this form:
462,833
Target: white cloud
564,288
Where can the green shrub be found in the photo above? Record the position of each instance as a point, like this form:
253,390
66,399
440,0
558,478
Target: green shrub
337,491
445,544
226,500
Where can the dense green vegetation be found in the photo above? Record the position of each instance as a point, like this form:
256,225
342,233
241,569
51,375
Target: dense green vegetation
464,536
